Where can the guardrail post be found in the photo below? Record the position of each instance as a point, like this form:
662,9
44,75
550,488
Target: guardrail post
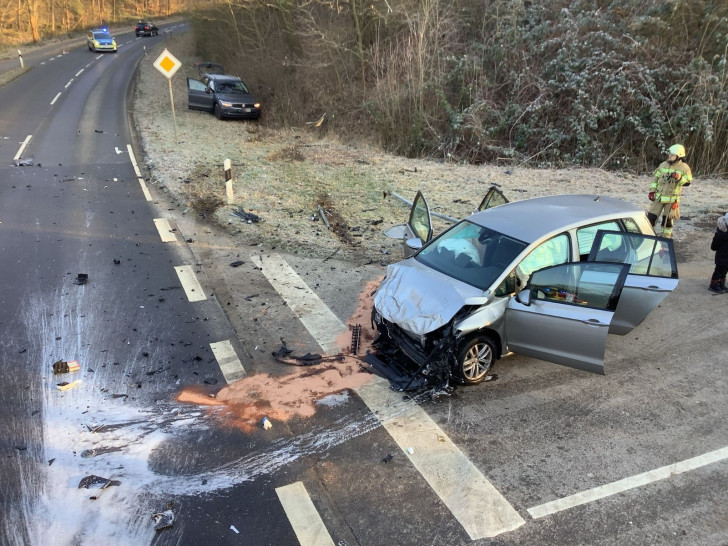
227,167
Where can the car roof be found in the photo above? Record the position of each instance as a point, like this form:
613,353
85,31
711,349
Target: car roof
531,219
223,78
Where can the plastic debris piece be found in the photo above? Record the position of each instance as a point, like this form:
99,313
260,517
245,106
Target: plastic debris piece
60,366
388,458
163,520
96,481
410,450
24,162
82,278
267,424
355,339
232,527
66,385
237,263
248,217
73,366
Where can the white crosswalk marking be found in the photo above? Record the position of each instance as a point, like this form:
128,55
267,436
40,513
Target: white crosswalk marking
478,506
318,319
305,520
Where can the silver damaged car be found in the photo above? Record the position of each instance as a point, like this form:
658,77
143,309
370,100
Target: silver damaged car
547,277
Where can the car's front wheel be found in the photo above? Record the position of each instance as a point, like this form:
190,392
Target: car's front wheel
217,111
475,359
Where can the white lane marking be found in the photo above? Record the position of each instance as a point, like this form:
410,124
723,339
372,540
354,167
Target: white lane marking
133,161
69,83
145,190
89,64
478,506
626,484
189,283
79,73
99,56
228,361
55,98
318,319
165,230
305,520
22,147
59,55
42,63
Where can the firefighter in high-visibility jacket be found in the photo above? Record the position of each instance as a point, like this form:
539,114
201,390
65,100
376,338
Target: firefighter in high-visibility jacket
669,180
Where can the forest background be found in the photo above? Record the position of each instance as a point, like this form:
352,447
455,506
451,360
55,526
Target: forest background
607,84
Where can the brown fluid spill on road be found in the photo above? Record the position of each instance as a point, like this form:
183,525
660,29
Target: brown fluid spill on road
281,398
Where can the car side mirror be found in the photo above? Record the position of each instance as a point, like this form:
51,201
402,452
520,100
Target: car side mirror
524,297
415,243
208,90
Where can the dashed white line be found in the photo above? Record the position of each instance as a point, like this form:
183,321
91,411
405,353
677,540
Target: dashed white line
99,56
165,230
55,98
305,520
79,73
22,147
318,319
42,63
189,281
228,361
476,504
69,83
626,484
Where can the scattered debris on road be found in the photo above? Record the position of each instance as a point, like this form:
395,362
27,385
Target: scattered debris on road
61,366
65,385
82,278
24,162
248,217
163,520
388,458
283,355
267,424
237,263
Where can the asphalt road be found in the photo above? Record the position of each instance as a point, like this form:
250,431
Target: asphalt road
542,455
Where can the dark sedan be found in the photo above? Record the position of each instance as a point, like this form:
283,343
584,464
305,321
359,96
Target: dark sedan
223,95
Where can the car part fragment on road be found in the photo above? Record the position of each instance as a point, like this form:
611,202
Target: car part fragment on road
24,162
65,385
283,355
82,278
267,424
248,217
163,520
61,366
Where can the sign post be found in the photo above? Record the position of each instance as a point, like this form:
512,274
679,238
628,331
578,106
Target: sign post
22,64
168,64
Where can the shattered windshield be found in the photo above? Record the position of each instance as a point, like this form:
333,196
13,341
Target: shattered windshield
470,253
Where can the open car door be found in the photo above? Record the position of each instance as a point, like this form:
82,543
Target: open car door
652,273
564,312
493,198
198,96
418,229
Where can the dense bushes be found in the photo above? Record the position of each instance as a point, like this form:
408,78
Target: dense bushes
596,83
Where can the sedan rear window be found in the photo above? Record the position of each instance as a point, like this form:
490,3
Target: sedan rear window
470,253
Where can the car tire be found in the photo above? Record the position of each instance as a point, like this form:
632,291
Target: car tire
217,111
475,359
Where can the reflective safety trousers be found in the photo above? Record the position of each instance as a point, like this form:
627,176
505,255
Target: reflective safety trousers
667,188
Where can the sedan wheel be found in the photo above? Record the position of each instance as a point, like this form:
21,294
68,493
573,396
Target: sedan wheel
475,359
217,111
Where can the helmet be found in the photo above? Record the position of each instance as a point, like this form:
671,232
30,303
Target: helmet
678,150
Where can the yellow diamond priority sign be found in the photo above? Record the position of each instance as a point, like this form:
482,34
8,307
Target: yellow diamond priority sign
167,64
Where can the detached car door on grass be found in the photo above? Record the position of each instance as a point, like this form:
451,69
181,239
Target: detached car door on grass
563,314
199,96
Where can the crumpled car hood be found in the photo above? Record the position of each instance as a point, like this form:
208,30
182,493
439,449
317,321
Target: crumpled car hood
420,299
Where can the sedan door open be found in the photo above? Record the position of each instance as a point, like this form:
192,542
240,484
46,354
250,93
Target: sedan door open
563,314
652,273
418,229
493,198
199,97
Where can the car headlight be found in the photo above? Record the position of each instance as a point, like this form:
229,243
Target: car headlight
96,43
226,104
113,43
257,105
